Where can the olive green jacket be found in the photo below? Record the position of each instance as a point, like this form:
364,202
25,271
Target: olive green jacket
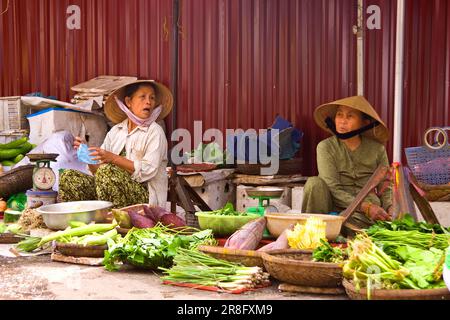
346,172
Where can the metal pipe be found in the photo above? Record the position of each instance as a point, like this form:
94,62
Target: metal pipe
174,67
360,49
398,93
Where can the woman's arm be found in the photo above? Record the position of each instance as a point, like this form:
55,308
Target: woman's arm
104,156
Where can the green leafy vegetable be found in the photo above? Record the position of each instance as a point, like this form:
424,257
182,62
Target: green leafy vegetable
326,253
425,266
227,210
153,247
408,224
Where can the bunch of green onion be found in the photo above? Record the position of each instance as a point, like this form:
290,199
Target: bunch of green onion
103,230
370,264
192,266
391,239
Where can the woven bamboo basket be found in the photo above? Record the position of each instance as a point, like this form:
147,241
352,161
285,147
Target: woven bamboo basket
77,250
400,294
16,180
296,267
249,258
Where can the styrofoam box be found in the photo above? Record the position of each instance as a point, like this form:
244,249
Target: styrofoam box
8,136
297,198
48,121
217,193
243,201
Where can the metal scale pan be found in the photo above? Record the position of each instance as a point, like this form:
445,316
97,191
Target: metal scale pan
269,192
42,156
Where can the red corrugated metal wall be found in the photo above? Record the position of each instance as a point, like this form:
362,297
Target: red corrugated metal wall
426,83
427,68
241,62
39,53
244,62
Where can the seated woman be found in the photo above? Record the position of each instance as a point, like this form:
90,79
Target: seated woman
132,160
347,160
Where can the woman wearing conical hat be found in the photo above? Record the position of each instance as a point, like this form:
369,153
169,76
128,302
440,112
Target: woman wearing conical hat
347,160
132,160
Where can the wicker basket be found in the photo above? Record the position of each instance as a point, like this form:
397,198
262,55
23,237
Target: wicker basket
296,267
422,162
77,250
16,180
400,294
249,258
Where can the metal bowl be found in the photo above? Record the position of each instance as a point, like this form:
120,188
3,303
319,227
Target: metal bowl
57,216
273,192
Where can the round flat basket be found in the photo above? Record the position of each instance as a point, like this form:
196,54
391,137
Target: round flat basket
249,258
77,250
400,294
42,156
10,238
296,267
17,180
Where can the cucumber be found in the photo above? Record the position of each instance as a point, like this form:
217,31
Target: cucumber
18,158
14,144
6,154
11,216
7,163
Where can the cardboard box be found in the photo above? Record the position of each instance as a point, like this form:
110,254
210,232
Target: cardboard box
48,121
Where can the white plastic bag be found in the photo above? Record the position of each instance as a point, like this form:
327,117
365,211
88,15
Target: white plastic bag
60,142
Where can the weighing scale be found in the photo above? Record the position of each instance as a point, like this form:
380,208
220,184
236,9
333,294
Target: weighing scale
264,194
43,178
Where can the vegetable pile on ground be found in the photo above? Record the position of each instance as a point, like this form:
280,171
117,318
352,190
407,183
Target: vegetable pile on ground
401,254
149,218
14,151
92,234
154,247
191,266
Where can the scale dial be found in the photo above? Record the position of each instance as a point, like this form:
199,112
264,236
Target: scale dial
44,178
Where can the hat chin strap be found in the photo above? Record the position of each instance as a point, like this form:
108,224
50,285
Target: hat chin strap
344,136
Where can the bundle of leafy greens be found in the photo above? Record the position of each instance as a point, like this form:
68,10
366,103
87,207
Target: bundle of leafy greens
326,253
408,224
425,266
227,210
154,247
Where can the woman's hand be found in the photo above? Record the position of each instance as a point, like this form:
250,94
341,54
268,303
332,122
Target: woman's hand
102,156
77,141
375,212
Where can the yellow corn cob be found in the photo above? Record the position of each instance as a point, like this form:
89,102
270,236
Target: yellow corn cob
307,236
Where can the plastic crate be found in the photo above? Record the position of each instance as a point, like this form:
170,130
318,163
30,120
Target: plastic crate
429,166
13,114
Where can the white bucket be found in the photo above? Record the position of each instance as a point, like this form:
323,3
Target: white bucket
46,197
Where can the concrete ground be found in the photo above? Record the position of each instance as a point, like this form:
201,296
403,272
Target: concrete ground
39,278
